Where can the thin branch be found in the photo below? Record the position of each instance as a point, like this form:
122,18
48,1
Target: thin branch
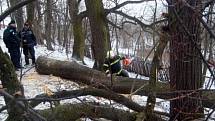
132,18
101,93
3,108
125,3
113,24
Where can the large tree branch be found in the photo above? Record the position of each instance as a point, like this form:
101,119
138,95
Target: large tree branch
11,9
72,112
132,18
32,113
93,92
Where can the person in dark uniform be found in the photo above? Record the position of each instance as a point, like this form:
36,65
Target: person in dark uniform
28,43
112,65
12,42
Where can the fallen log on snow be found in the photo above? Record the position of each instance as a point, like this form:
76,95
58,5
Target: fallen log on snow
82,74
85,75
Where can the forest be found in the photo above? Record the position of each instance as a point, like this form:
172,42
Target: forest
164,49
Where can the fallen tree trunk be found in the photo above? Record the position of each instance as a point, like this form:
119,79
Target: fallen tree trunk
82,74
85,75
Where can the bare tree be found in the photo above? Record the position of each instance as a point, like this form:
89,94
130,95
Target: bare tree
186,66
99,30
18,15
79,43
48,24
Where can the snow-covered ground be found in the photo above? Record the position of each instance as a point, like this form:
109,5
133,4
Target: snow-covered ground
35,84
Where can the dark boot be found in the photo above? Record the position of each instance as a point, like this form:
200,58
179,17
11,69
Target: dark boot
33,61
26,60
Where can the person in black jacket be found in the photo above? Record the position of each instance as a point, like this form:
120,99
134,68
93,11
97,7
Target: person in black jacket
28,43
112,65
12,42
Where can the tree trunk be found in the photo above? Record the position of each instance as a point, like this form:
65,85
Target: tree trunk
99,30
66,30
54,27
185,63
37,26
59,29
208,43
151,100
18,15
85,75
30,8
48,24
73,112
79,43
12,85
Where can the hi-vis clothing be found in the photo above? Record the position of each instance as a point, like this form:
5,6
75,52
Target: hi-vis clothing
126,62
113,66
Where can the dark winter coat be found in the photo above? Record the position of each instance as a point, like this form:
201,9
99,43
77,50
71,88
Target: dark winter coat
28,38
10,38
112,65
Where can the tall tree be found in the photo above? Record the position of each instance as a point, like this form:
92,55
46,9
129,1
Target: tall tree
12,85
66,29
185,63
37,26
99,30
18,15
48,24
79,44
30,8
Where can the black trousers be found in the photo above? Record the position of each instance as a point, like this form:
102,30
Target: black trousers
15,56
29,50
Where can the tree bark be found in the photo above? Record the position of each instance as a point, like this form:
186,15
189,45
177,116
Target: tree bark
151,100
79,43
83,74
66,30
30,8
48,24
38,24
73,112
17,15
185,63
12,85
